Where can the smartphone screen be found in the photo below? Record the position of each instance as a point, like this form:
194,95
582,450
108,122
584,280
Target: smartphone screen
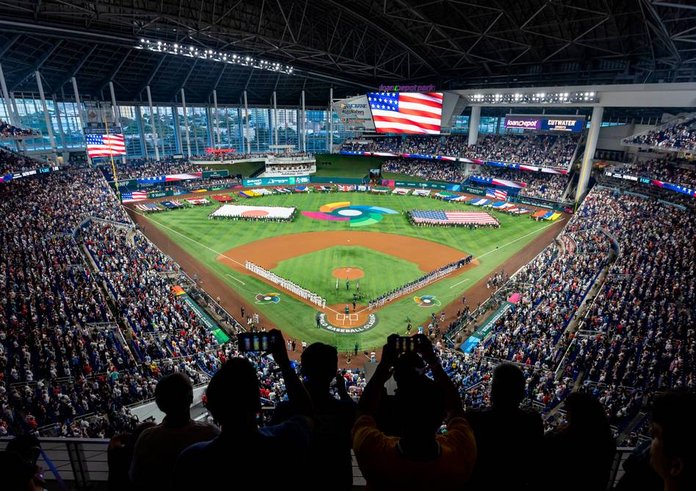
405,344
254,341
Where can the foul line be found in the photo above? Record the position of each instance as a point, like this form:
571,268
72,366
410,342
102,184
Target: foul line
198,243
236,279
519,238
459,283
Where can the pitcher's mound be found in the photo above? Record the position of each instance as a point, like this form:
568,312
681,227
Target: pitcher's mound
348,273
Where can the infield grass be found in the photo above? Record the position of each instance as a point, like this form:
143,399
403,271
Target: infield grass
205,239
373,263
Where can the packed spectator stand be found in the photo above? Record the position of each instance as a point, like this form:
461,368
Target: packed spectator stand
139,168
539,150
682,173
8,130
15,163
636,338
538,184
678,135
425,169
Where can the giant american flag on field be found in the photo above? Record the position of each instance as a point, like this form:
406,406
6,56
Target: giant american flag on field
105,145
449,217
406,112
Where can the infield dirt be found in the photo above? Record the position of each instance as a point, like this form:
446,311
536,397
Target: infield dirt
269,252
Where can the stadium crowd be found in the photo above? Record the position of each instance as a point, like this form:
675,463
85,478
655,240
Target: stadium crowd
539,184
141,168
641,329
425,169
13,162
541,150
680,135
678,172
8,130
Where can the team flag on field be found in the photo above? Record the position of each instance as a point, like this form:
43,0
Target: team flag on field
406,112
498,194
105,145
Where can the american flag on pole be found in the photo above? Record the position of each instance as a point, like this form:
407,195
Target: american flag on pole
406,112
105,145
498,194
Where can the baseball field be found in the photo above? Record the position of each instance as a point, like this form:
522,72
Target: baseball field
342,262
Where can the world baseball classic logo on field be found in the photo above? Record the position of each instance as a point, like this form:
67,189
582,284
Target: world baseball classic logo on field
427,301
267,298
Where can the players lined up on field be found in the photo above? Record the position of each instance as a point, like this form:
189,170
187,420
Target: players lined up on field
419,283
286,284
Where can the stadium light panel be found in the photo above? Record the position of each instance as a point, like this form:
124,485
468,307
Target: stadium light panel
212,55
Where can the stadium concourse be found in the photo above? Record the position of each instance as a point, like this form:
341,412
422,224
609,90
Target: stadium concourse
570,365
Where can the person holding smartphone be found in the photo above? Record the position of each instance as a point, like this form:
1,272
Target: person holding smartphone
419,458
243,450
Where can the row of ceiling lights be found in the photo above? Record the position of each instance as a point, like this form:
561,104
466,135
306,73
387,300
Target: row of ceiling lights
535,97
213,55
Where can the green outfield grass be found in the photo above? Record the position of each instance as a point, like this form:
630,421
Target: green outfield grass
327,165
206,239
373,264
354,166
246,169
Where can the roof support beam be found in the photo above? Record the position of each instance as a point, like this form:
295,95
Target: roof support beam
79,66
37,66
152,74
116,70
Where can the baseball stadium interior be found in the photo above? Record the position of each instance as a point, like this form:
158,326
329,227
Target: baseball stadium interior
355,245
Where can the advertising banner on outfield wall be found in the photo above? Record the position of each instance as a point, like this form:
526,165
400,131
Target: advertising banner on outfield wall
472,190
212,174
428,185
275,181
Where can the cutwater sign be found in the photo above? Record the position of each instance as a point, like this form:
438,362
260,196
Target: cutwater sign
275,181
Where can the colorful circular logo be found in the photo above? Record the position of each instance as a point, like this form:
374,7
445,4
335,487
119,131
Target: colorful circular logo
427,301
356,215
267,298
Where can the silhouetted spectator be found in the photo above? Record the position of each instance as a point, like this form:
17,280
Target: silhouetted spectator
420,458
329,458
120,455
157,449
18,474
265,456
673,449
508,439
408,367
579,455
638,473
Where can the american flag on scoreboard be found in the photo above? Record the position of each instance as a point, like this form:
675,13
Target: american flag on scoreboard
134,196
105,145
498,194
406,112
